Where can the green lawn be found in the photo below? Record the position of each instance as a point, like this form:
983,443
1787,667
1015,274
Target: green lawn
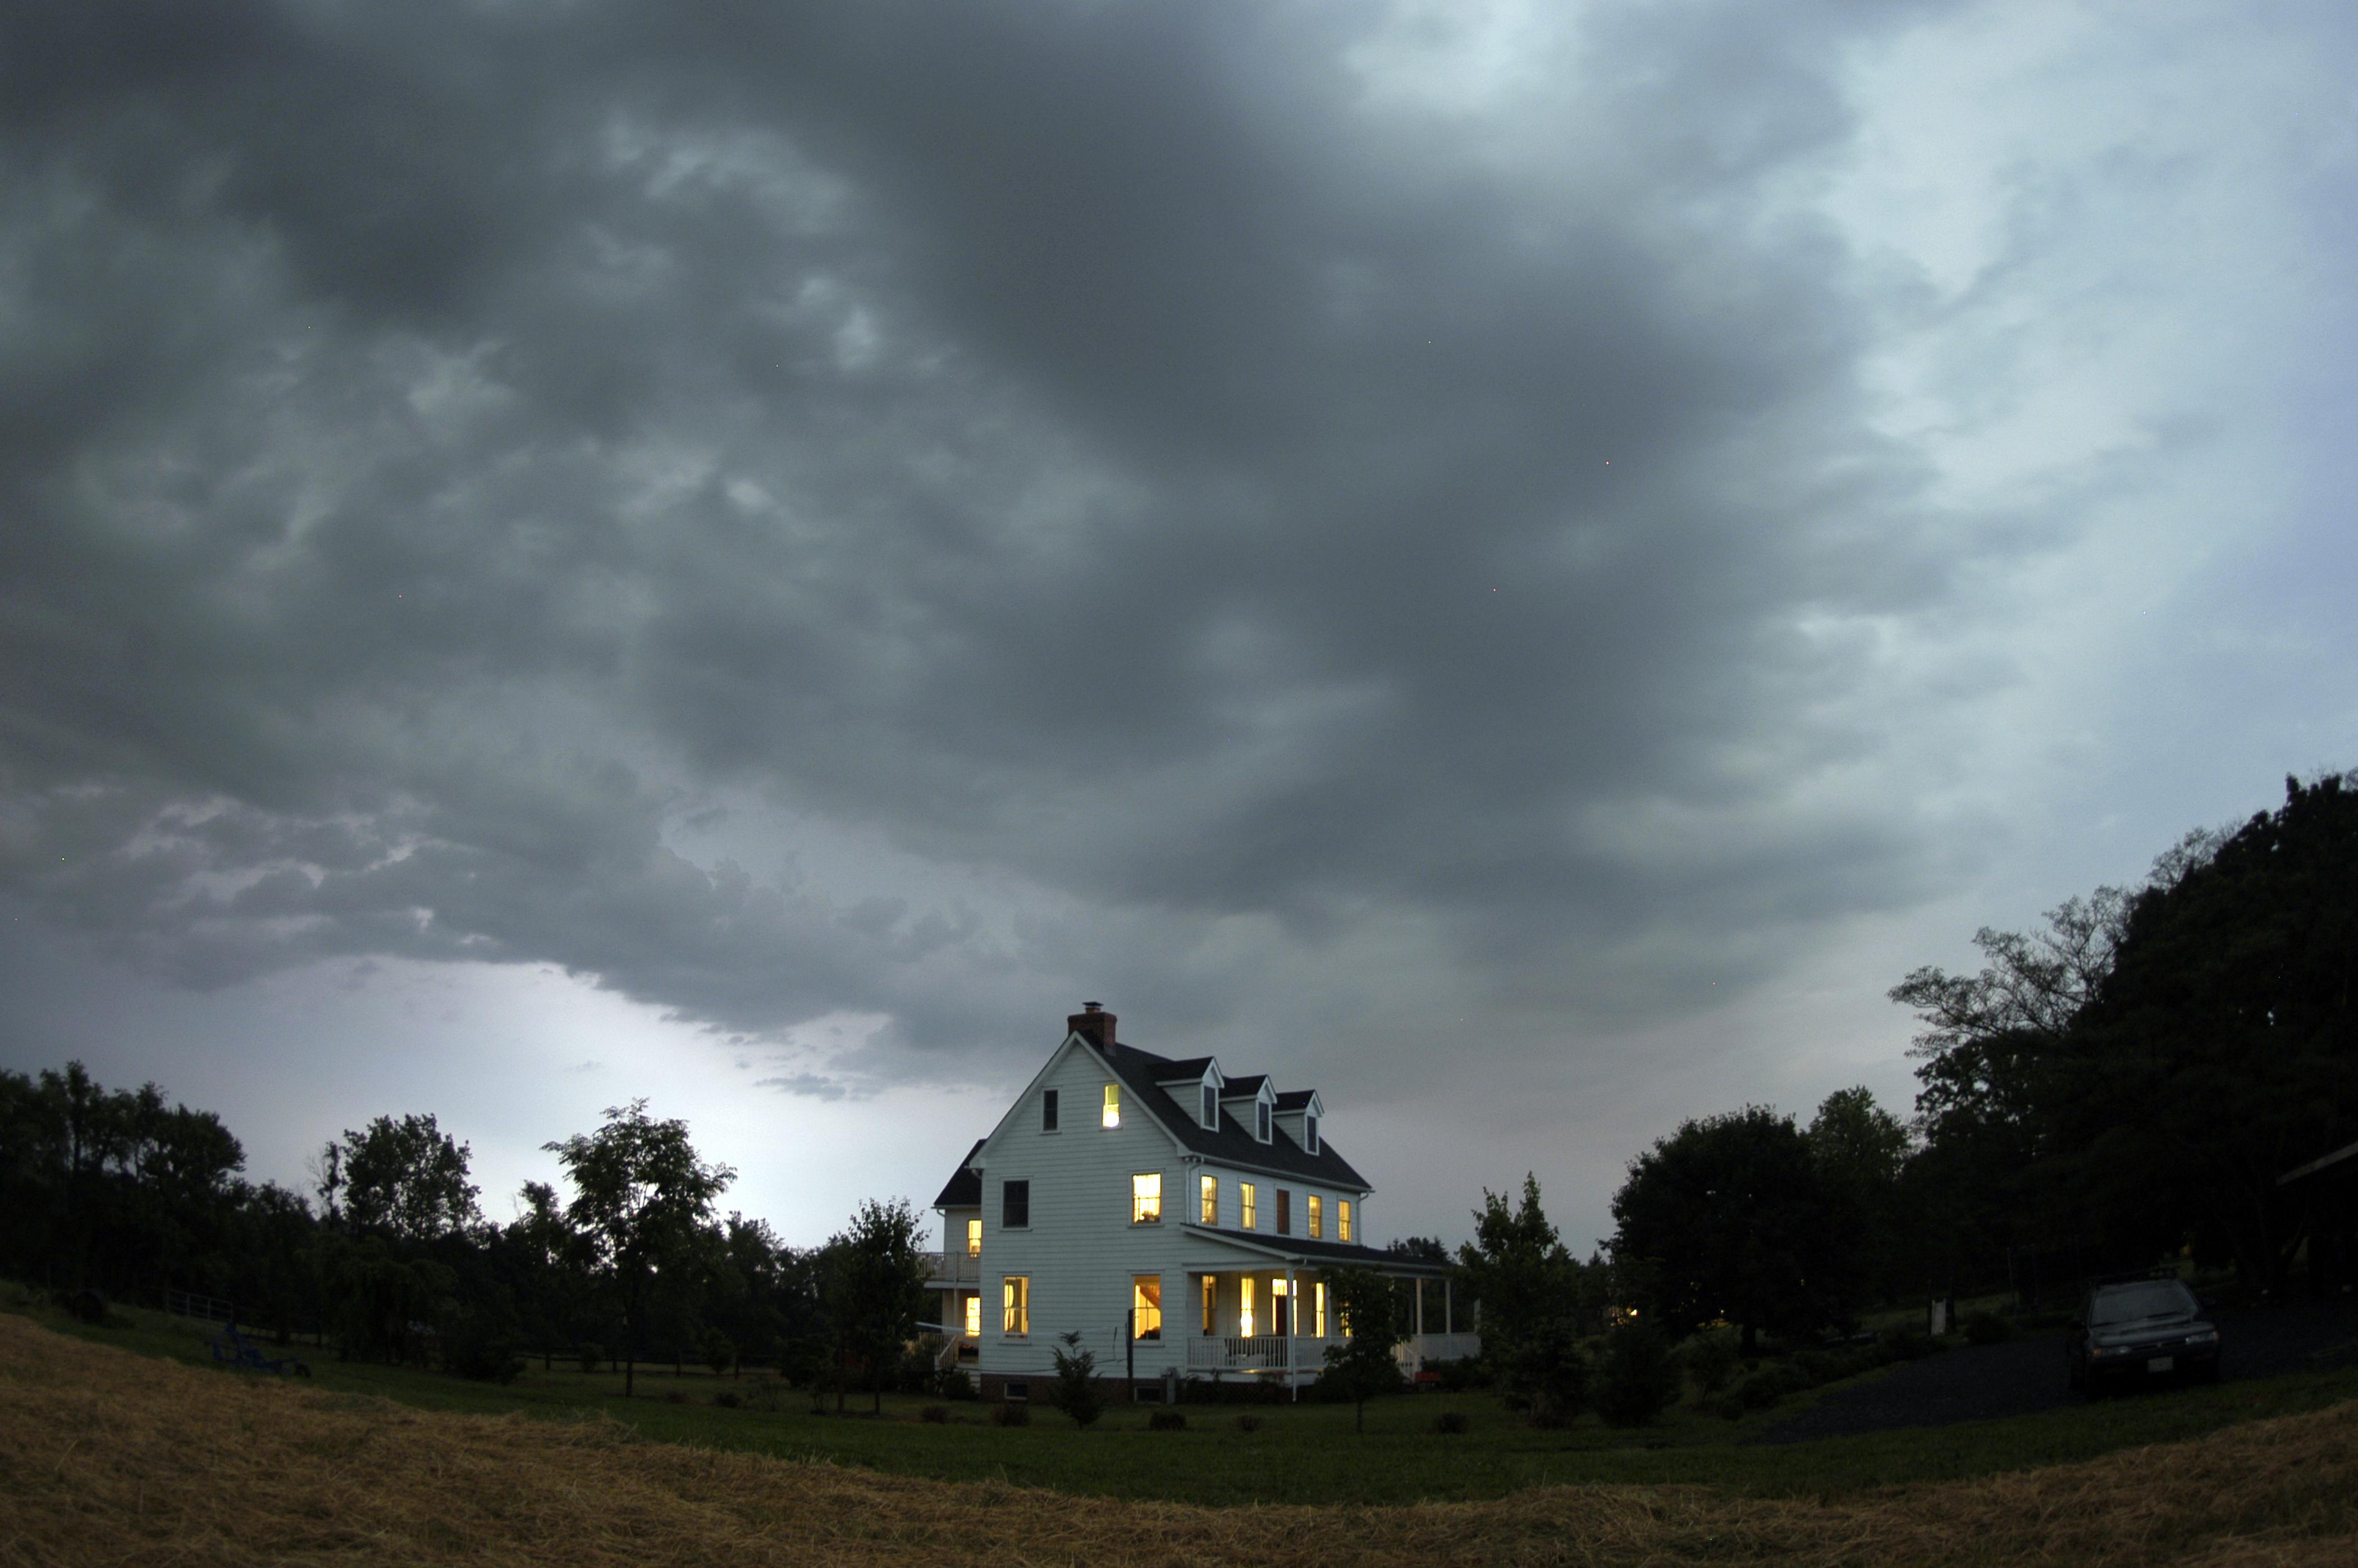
1300,1453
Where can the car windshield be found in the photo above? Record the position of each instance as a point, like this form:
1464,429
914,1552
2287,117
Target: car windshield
2128,1303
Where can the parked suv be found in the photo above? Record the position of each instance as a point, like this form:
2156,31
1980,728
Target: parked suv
2137,1332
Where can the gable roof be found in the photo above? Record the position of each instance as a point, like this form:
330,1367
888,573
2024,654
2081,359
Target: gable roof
1232,1143
1295,1099
1243,1087
1186,1067
964,1190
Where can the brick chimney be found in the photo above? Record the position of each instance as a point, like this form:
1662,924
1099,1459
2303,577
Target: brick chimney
1092,1023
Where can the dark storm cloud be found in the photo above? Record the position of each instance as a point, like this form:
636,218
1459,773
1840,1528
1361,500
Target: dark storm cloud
454,451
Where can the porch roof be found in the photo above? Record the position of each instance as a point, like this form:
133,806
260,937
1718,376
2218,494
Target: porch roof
1302,1252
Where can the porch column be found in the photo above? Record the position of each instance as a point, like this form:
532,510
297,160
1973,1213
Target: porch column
1420,1306
1448,1308
1285,1327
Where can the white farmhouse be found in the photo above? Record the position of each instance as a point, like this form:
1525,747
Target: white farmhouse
1177,1217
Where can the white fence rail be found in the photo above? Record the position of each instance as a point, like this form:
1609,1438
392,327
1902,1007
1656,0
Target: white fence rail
1262,1352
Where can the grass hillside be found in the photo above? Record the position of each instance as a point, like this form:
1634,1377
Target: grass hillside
107,1456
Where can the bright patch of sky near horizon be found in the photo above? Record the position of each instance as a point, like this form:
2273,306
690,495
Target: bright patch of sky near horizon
778,599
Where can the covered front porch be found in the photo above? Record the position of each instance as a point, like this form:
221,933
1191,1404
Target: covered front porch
1263,1312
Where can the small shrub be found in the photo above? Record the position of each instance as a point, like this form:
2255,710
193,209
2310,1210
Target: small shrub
592,1356
1987,1328
1819,1366
1167,1421
1011,1415
1461,1376
1452,1423
1635,1376
1076,1391
1248,1422
957,1385
1709,1360
935,1415
1759,1390
727,1400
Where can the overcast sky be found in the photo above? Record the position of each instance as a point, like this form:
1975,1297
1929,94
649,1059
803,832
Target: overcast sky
1517,564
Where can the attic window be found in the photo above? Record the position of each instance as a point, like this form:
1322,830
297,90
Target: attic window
1261,1121
1310,1132
1113,1105
1211,1116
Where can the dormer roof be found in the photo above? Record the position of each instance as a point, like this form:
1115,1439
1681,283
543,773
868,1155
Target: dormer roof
1232,1142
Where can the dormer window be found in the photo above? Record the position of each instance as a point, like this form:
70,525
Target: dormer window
1310,1133
1112,1105
1261,1121
1211,1112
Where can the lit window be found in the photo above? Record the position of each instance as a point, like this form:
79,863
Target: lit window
1342,1219
1211,1300
1048,1110
1146,1305
974,1317
1318,1310
1146,1198
974,1238
1245,1315
1210,1200
1245,1216
1310,1135
1317,1225
1261,1121
1281,1313
1113,1105
1211,1116
1015,1299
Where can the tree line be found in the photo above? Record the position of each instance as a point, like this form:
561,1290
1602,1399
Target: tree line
114,1193
2123,1087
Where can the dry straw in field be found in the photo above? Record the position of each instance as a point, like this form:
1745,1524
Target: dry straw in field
106,1458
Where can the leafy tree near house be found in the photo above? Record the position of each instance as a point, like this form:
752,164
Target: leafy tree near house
641,1195
873,1287
1733,1219
1364,1363
1531,1292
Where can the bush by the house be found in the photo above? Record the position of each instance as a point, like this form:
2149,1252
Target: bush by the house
1011,1415
1635,1376
957,1385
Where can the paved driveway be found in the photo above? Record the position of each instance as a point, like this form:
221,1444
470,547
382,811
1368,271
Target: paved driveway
2024,1376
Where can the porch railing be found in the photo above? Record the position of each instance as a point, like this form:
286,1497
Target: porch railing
1262,1352
1419,1348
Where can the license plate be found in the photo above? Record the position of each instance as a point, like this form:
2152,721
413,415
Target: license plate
2161,1364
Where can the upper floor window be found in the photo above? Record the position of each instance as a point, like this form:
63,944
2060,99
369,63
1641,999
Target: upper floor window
1014,1205
1261,1121
1310,1135
1146,1305
1310,1208
1342,1219
1208,1199
1285,1211
1245,1216
1146,1198
1015,1303
1113,1105
1048,1110
974,1238
1211,1112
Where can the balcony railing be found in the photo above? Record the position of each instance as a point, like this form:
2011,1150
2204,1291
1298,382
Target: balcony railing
957,1268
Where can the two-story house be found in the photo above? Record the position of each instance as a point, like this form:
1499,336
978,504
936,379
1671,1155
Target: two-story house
1178,1218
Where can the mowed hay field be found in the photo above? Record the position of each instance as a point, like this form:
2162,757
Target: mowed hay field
110,1457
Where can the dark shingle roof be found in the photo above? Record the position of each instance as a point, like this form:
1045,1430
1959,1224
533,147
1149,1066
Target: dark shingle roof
1186,1067
1349,1252
965,1188
1240,1089
1233,1143
1295,1099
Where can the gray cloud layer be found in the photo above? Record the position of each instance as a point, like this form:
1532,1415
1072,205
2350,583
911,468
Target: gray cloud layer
1166,506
